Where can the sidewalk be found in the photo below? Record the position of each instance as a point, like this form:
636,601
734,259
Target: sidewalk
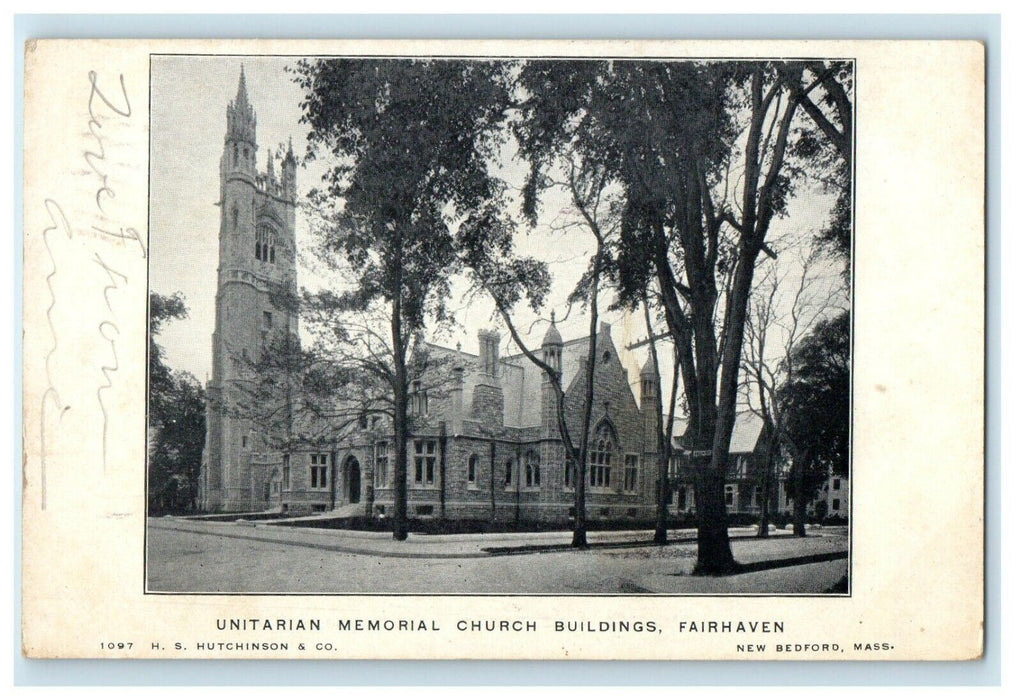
468,546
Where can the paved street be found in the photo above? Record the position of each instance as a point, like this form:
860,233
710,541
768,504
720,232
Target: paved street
191,556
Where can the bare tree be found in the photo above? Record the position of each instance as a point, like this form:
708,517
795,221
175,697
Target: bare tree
508,280
785,305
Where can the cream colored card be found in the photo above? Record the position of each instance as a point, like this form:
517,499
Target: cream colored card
127,146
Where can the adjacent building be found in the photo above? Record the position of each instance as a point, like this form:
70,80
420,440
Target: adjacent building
748,462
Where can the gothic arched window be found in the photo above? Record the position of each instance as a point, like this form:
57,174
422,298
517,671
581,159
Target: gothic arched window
531,469
234,218
266,245
600,455
235,154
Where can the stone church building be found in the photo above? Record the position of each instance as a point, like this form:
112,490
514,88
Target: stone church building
257,253
486,448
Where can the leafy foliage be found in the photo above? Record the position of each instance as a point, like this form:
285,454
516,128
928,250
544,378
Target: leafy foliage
410,144
177,419
815,400
707,155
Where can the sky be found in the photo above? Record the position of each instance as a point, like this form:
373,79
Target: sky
189,99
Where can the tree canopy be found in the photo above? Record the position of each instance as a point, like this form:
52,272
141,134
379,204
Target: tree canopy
815,399
409,144
707,155
177,418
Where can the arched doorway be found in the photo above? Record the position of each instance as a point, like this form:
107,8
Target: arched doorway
353,479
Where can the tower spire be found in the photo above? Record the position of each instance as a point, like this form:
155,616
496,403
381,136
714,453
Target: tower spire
241,119
242,96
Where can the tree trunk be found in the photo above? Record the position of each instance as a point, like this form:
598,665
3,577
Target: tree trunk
798,515
764,506
578,535
662,496
799,497
757,213
401,466
400,414
578,538
693,335
714,556
767,481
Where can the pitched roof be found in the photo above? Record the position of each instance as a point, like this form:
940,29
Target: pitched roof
748,428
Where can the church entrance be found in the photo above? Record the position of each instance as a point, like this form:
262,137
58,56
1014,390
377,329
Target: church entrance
353,478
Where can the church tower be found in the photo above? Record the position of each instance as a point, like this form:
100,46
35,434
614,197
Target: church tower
256,258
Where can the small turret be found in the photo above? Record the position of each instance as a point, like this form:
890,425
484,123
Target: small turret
287,172
647,369
648,379
649,402
269,165
552,345
553,336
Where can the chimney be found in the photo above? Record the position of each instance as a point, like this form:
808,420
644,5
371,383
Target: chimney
488,395
457,411
489,353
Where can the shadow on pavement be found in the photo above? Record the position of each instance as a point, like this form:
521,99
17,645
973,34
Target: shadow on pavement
789,561
768,564
629,544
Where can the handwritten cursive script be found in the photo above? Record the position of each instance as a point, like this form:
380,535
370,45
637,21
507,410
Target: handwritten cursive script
101,108
51,397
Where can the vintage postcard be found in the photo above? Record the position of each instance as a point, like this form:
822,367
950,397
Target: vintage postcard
537,350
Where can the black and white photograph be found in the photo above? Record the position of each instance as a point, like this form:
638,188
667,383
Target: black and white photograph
515,326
